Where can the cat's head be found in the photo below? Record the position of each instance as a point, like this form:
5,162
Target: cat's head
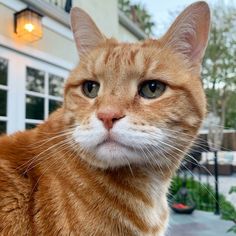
139,102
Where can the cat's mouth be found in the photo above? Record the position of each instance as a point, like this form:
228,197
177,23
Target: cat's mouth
111,143
115,153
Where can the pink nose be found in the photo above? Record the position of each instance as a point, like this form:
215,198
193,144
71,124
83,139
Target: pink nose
109,117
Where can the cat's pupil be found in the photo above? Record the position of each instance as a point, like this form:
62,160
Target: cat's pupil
151,89
90,86
152,86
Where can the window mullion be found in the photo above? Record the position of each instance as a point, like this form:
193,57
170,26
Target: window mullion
46,102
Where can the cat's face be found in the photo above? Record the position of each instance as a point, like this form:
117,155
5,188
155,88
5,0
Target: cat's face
135,103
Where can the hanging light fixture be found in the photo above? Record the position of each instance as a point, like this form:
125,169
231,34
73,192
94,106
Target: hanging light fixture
28,25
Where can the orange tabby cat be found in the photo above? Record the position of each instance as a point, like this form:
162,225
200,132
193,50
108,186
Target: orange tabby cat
102,164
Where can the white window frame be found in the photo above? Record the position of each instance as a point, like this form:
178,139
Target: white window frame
5,88
16,104
45,95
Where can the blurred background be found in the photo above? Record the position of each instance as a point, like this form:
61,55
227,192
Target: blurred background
37,52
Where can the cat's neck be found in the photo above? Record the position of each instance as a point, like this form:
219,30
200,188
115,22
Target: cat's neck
138,193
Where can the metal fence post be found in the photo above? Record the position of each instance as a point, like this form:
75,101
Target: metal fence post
217,206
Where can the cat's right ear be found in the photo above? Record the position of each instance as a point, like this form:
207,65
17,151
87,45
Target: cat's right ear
188,35
86,34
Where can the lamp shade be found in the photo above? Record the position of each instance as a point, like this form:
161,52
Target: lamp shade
28,25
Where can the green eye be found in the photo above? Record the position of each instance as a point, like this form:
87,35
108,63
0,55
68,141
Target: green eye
90,88
151,89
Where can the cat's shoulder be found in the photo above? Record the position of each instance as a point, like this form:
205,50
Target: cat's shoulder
11,156
14,192
14,200
16,144
13,152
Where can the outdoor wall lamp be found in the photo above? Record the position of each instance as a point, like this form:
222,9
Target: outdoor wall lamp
28,25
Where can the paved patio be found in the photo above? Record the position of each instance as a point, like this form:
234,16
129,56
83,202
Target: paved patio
200,223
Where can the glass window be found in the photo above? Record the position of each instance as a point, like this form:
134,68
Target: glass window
30,126
34,107
56,85
3,127
44,93
3,103
53,105
3,71
3,94
35,80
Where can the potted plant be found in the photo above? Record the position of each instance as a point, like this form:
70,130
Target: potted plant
182,202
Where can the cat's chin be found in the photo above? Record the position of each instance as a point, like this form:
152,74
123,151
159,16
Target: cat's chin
115,154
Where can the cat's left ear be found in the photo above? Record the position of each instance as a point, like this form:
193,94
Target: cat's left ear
188,35
86,34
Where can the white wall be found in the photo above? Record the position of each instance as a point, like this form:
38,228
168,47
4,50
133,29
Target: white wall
51,43
103,12
125,36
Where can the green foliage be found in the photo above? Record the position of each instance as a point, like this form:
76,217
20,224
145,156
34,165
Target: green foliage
232,190
204,197
202,194
230,119
232,229
219,71
230,213
138,14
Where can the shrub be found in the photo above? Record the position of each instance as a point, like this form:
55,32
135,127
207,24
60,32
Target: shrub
204,197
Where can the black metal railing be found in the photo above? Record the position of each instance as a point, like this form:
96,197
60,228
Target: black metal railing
62,4
199,186
199,174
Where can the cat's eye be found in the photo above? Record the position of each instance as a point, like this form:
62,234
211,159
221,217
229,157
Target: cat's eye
90,88
151,89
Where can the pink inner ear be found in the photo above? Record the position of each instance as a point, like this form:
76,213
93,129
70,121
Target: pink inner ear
197,54
86,34
195,46
189,33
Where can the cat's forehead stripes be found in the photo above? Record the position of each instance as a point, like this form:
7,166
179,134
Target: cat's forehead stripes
120,61
121,55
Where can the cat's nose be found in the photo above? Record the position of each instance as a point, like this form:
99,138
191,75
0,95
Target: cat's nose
109,117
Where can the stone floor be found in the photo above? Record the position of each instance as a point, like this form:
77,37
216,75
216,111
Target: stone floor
200,223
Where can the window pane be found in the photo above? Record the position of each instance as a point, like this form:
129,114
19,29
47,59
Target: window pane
3,103
53,105
34,107
3,127
3,71
35,80
56,85
30,126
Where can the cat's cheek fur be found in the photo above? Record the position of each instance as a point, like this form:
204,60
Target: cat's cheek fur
90,135
138,134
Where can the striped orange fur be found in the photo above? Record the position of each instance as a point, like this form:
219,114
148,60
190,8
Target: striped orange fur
102,164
